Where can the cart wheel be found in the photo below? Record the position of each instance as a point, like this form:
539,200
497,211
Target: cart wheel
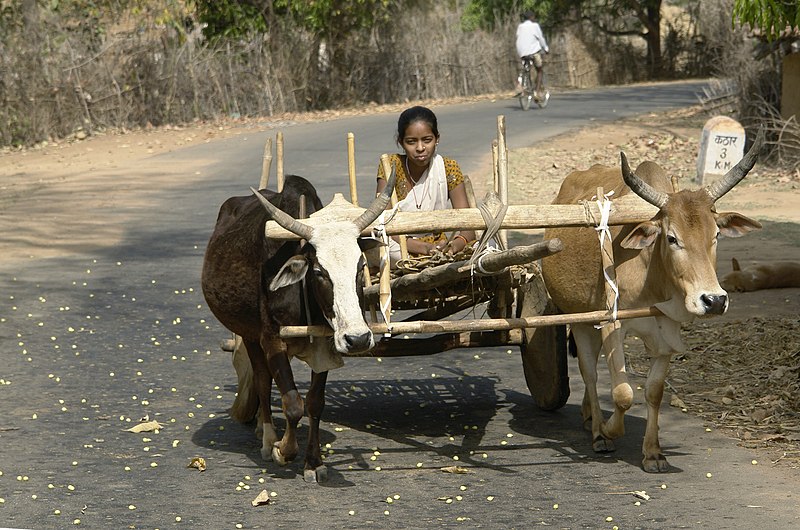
544,349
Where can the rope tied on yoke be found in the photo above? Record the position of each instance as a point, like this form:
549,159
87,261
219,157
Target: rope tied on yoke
493,223
603,232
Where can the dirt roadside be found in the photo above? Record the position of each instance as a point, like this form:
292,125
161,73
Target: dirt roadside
741,372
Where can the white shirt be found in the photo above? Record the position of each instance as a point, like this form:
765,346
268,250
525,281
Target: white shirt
530,39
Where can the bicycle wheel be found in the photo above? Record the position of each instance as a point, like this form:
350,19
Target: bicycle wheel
545,98
542,101
526,96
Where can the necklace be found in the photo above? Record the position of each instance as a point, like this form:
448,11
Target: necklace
417,203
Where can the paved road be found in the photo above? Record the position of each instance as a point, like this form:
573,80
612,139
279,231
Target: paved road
467,131
106,334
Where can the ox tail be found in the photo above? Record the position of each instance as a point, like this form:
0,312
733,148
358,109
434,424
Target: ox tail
245,406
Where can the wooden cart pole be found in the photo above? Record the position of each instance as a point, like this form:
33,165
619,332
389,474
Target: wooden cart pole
385,286
279,163
502,171
266,164
611,332
351,167
483,324
495,184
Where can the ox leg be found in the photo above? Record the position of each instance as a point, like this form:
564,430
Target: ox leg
587,340
621,391
315,470
292,404
654,461
262,381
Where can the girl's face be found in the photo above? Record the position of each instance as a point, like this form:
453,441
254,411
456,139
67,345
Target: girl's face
419,143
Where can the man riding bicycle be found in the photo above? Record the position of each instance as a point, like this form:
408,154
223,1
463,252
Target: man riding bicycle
530,44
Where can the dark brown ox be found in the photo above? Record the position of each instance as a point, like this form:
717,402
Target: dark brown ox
669,261
253,285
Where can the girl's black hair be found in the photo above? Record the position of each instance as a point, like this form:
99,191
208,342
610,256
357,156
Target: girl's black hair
413,114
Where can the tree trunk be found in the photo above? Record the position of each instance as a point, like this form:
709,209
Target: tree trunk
649,14
653,25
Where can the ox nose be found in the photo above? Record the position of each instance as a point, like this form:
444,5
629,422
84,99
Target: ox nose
357,343
715,304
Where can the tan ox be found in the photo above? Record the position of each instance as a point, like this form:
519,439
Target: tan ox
669,261
772,275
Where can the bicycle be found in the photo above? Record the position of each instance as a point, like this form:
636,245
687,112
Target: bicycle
528,92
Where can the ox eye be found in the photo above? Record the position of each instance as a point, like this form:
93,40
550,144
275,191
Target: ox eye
318,272
672,240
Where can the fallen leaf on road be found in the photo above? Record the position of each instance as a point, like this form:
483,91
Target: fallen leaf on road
262,499
456,469
146,426
198,463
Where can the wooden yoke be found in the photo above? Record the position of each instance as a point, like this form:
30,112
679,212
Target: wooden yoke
629,209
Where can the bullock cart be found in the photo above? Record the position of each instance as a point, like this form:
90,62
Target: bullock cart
432,300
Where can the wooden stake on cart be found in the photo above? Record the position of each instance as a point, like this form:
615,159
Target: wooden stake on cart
495,184
385,296
279,163
351,172
387,169
502,171
266,164
351,167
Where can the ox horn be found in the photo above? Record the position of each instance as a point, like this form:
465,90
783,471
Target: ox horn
640,187
284,219
378,205
739,171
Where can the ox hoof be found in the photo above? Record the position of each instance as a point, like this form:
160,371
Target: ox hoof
319,474
657,464
603,445
277,457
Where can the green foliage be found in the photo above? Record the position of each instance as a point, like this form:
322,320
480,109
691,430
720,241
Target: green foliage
237,18
771,17
337,16
230,18
483,14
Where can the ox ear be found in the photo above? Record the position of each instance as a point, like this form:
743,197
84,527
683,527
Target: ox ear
733,224
643,236
292,272
367,243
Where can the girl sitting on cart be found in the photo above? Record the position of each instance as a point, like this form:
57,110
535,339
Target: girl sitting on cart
426,181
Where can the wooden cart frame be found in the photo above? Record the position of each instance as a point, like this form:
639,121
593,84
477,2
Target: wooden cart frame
519,310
